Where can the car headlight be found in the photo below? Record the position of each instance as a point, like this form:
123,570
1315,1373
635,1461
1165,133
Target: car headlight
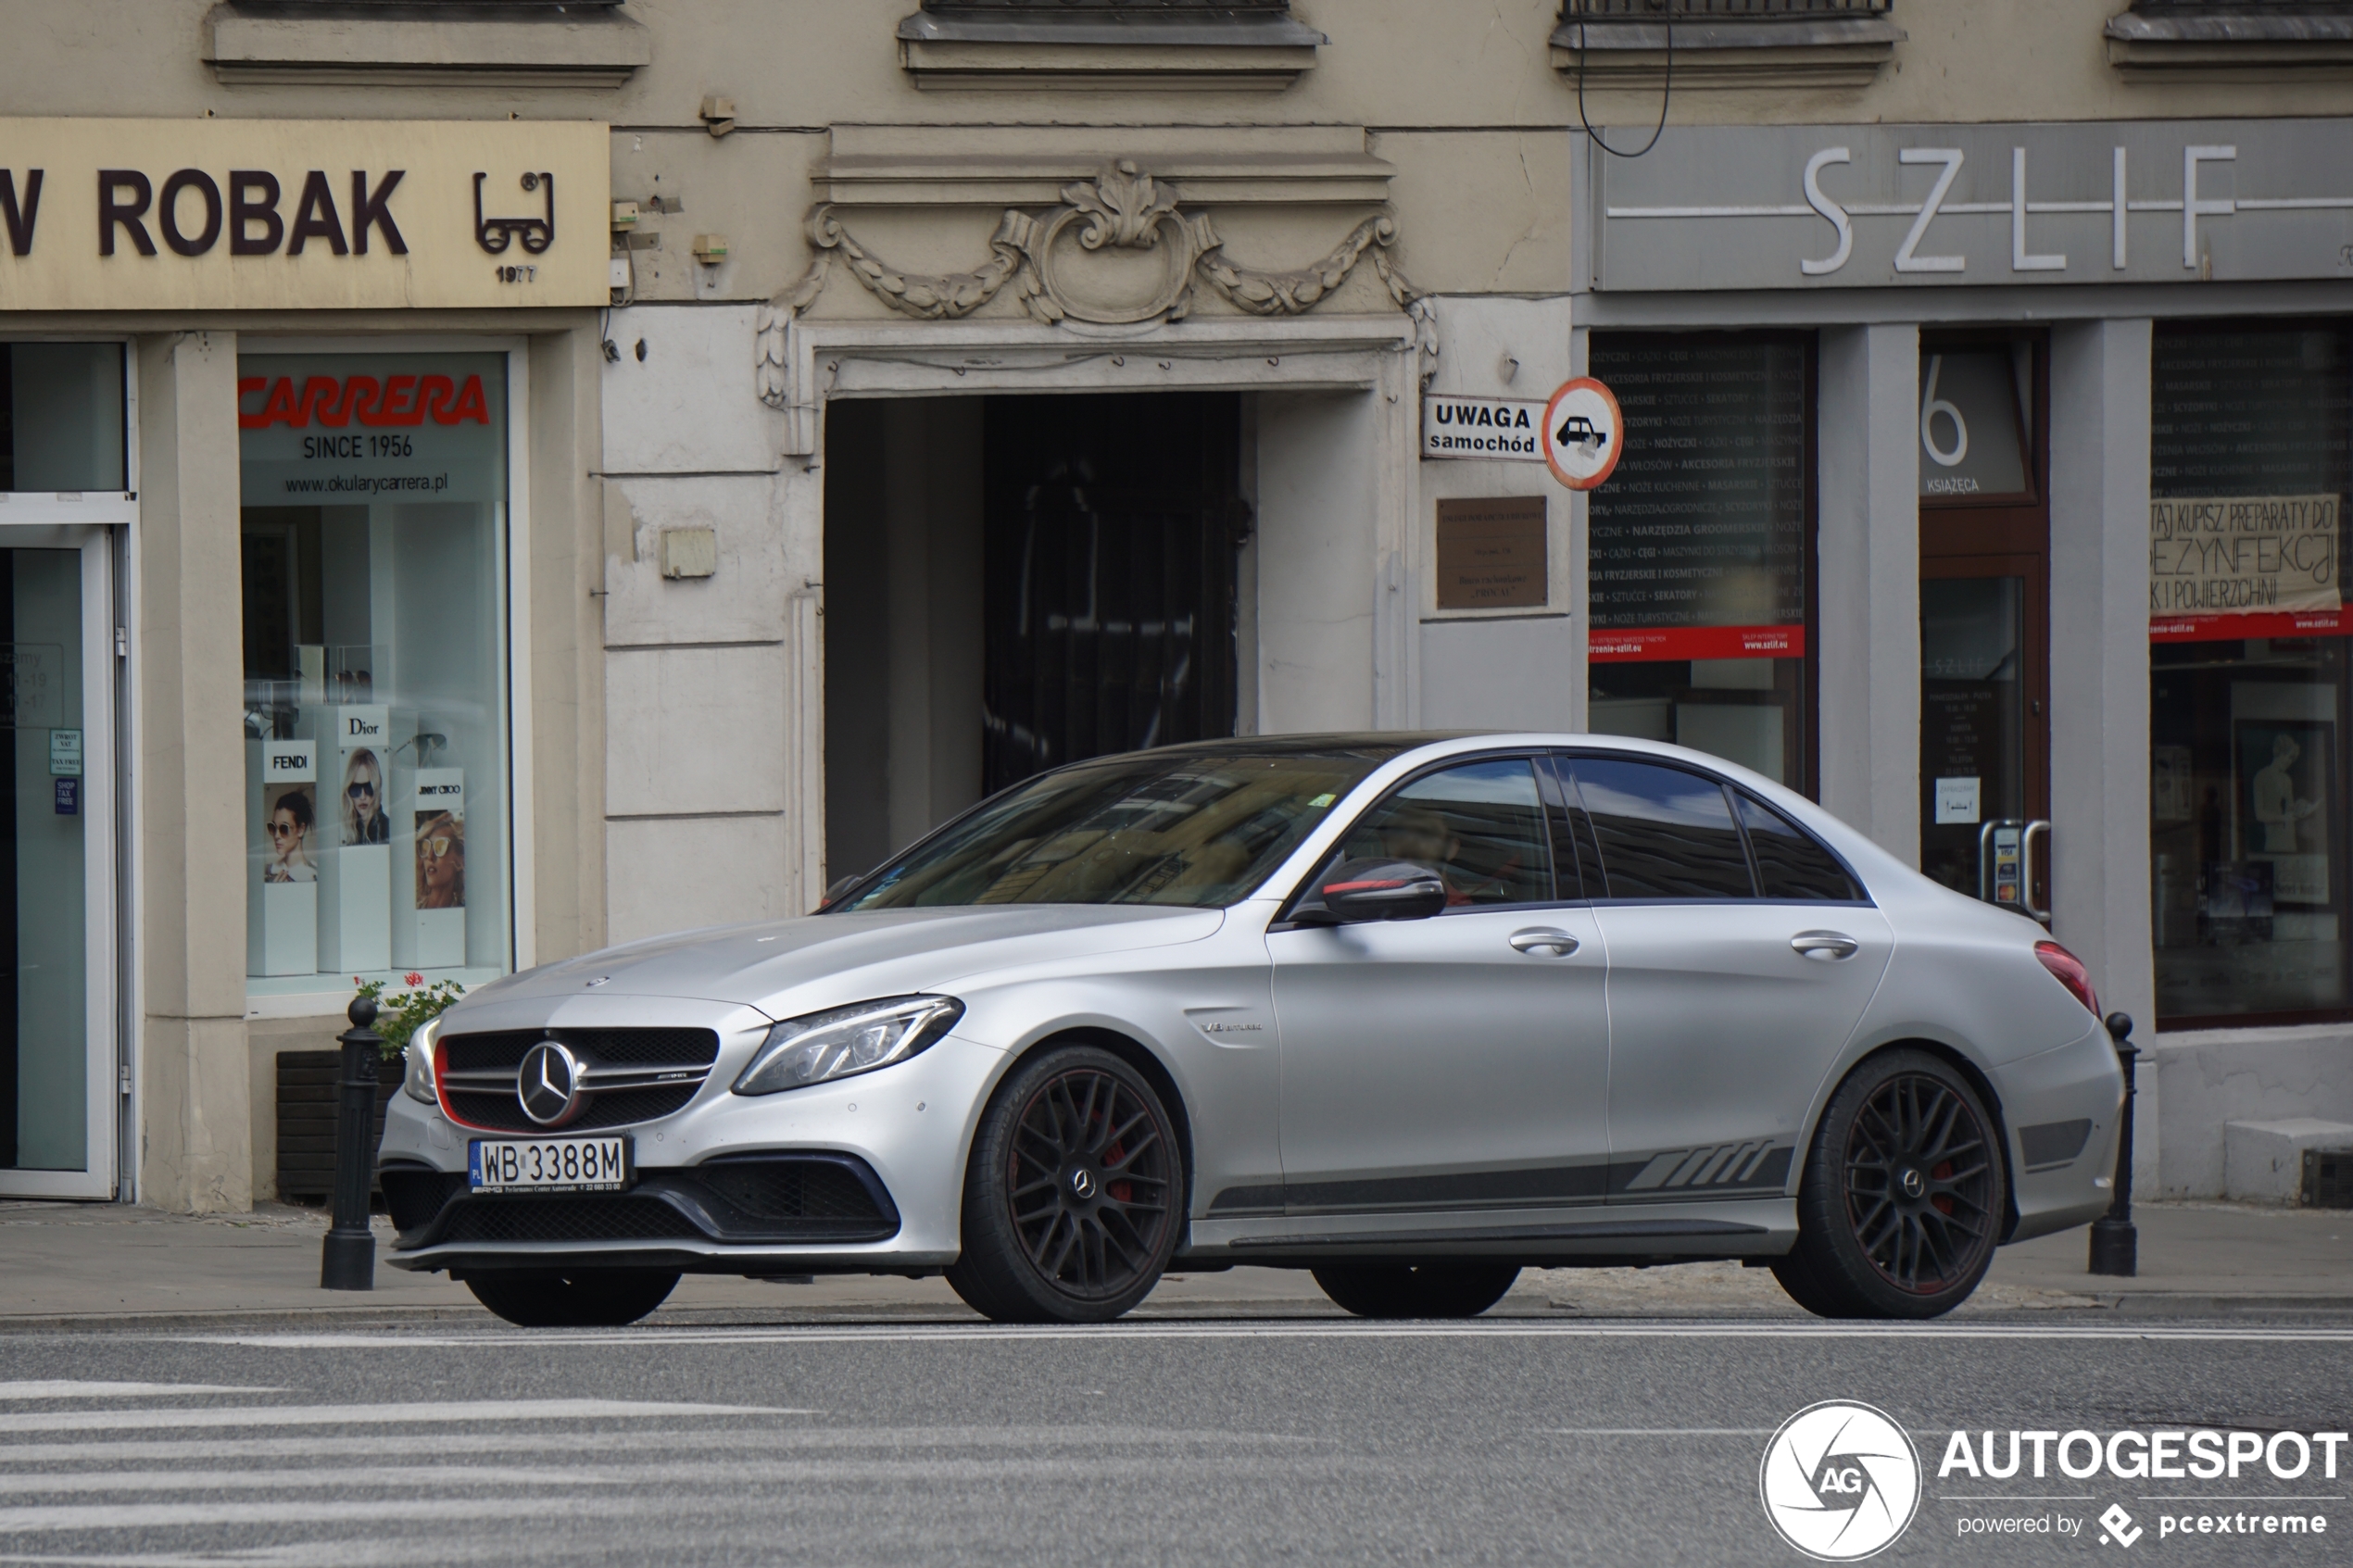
845,1041
419,1084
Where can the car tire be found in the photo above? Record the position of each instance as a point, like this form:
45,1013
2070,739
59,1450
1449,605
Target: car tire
592,1299
1416,1290
1073,1197
1903,1196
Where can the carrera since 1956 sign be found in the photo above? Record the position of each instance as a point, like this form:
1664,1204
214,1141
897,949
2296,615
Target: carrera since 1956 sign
212,214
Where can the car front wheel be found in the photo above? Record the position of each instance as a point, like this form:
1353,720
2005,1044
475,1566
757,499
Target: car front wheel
591,1299
1072,1201
1901,1203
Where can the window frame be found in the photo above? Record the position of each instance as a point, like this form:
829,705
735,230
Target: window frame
522,867
2166,1023
1805,768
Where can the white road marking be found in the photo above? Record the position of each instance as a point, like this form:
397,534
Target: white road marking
69,1388
636,1440
1656,1431
395,1340
169,1515
356,1415
668,1478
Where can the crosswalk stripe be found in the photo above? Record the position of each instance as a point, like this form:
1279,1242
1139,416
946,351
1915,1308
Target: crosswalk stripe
403,1445
70,1388
167,1515
336,1415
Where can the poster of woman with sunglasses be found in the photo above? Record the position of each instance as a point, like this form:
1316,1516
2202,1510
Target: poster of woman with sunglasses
441,860
364,821
288,818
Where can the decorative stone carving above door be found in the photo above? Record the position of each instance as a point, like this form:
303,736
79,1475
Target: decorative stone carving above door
1122,208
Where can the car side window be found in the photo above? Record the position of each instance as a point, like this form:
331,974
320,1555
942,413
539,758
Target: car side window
1480,826
1790,862
1664,832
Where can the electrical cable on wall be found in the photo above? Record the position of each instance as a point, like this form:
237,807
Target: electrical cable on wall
1665,94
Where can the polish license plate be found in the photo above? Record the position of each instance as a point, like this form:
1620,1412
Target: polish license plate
551,1165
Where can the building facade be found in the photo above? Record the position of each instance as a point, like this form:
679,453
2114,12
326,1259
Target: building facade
489,480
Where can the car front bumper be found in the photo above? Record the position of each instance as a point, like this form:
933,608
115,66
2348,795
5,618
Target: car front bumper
901,1132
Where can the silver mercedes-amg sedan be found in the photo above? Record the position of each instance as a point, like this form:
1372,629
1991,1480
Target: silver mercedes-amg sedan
1413,1012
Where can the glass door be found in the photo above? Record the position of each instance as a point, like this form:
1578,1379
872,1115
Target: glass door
1985,621
57,1060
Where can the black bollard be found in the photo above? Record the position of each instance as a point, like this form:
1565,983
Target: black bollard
347,1262
2115,1245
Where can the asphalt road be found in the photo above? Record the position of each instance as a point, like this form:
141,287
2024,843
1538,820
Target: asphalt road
1504,1441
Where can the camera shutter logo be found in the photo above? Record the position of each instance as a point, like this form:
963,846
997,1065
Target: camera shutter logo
1841,1481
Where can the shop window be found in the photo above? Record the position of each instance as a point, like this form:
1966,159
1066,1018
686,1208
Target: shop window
375,546
1700,550
2248,458
61,424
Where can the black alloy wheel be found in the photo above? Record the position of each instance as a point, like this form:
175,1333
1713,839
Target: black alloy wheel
1073,1201
1416,1290
1902,1198
590,1299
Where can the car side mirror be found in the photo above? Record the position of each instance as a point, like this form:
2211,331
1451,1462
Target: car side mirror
1356,891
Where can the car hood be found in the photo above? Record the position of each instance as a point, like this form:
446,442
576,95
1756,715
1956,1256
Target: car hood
791,966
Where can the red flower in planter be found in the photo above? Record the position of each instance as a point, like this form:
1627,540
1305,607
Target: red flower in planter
413,979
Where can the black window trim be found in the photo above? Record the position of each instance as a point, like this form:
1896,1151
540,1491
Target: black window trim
1535,758
1580,821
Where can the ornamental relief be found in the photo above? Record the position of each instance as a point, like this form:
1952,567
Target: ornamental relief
1123,208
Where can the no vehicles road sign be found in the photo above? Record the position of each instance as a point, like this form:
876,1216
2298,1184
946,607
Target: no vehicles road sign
1583,433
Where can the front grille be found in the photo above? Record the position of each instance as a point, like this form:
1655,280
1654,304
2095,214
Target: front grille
502,1220
496,1107
498,1110
609,1047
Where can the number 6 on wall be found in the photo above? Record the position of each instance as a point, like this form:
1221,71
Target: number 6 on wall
1931,406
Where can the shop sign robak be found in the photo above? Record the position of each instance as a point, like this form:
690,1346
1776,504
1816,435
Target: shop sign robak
252,214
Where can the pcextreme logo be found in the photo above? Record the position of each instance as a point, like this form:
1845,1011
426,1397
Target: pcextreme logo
1841,1481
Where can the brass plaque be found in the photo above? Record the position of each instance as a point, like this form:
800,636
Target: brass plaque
1490,554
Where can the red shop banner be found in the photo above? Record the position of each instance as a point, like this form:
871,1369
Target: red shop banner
335,402
1621,645
2263,623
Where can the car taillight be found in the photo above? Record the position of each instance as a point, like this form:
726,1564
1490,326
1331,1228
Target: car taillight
2069,971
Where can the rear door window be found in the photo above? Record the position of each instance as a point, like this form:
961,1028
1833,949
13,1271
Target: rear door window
1664,831
1790,862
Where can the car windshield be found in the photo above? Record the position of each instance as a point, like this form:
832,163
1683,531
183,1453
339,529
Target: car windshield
1182,828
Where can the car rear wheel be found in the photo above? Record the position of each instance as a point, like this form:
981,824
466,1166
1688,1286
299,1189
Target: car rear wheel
1416,1290
1072,1198
1901,1203
592,1299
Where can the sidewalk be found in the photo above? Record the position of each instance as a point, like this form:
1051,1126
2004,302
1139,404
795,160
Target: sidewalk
91,1261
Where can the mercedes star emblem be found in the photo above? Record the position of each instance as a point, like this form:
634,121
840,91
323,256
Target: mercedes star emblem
1082,1182
548,1084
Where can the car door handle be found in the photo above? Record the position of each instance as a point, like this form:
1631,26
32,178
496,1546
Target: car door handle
1560,942
1824,945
